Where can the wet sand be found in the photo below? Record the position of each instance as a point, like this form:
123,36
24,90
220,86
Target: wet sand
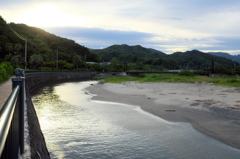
212,110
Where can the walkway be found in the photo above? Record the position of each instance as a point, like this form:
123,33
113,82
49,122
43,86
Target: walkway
5,91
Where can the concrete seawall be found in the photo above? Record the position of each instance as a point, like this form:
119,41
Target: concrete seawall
32,82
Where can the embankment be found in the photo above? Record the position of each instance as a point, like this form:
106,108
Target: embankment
32,82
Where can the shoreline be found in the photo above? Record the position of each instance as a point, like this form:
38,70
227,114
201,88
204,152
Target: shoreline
212,110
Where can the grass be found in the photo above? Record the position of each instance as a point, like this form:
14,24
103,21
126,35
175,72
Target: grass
119,79
175,78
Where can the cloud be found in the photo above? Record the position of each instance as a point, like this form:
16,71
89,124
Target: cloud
173,25
100,38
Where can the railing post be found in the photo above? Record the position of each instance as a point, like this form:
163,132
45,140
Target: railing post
20,80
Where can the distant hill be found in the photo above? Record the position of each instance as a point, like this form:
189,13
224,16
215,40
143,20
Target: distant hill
198,60
126,53
182,60
157,51
226,55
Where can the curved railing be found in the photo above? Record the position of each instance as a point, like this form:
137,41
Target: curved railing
6,116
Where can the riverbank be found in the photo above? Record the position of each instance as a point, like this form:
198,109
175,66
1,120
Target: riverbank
212,110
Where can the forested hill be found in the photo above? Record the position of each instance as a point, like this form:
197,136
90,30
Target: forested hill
226,55
40,43
126,53
198,60
185,60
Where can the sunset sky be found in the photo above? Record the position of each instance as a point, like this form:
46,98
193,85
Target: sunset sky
165,25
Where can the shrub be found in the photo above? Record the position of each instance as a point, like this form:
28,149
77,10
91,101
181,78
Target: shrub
45,68
232,80
186,73
237,70
6,69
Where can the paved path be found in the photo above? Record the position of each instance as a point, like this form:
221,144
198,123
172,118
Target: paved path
5,91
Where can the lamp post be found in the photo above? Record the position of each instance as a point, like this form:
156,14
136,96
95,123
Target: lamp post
57,60
25,53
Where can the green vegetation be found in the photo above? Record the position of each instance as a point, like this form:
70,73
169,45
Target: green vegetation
140,58
176,78
186,73
120,79
6,70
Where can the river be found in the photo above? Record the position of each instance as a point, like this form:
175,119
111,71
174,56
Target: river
74,127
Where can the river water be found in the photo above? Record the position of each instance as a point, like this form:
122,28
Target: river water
77,127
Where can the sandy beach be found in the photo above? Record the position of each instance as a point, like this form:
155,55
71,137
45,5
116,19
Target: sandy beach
212,110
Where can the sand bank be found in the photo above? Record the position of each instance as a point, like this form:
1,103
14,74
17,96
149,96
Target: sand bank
212,110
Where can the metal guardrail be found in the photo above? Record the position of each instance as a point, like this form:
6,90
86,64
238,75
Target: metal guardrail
12,120
6,116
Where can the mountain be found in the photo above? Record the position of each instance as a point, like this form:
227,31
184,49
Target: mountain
157,51
198,60
126,53
226,55
179,60
40,42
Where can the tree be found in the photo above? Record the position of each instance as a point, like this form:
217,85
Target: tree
76,59
115,65
17,47
36,60
16,61
9,47
237,70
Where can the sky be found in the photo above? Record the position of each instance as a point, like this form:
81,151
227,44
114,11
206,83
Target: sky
165,25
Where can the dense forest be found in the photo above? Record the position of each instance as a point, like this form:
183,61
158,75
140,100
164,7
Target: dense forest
47,51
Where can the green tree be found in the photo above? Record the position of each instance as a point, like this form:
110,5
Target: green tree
16,60
115,65
17,47
77,59
36,60
9,47
237,70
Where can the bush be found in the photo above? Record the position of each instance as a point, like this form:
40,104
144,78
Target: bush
232,80
237,70
186,73
6,69
45,68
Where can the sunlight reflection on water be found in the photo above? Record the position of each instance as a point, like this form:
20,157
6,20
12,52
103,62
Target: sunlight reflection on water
76,127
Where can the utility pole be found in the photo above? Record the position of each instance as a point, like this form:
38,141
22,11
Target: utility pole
25,53
57,60
212,69
22,38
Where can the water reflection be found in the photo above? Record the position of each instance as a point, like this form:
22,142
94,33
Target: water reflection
75,127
